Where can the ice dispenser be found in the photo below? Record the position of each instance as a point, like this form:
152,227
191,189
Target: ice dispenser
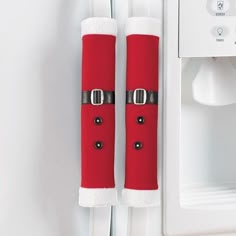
200,117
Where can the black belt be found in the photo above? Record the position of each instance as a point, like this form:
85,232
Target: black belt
98,97
141,97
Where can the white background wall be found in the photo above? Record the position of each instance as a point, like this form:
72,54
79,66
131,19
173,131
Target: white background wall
40,62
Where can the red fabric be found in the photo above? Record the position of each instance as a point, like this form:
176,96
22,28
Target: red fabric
98,72
142,72
98,62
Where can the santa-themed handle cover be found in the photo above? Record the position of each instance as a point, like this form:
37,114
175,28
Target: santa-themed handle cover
141,111
98,112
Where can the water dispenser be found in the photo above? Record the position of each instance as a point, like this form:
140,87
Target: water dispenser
199,117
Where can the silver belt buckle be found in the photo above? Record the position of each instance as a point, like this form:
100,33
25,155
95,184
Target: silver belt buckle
140,96
97,97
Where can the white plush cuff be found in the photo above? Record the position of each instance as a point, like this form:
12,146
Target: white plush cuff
143,26
99,25
140,198
97,197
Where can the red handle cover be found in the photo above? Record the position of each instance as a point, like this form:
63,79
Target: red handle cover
142,72
98,72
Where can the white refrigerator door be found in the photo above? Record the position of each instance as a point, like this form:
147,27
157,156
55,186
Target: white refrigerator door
199,149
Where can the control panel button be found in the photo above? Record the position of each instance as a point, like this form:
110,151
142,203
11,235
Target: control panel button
220,6
220,31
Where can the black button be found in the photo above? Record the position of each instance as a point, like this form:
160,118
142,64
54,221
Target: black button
98,145
98,120
138,145
140,120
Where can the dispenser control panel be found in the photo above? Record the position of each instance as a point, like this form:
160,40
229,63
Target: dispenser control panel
207,28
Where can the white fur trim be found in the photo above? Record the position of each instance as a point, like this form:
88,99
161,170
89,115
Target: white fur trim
99,25
140,198
97,197
143,26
